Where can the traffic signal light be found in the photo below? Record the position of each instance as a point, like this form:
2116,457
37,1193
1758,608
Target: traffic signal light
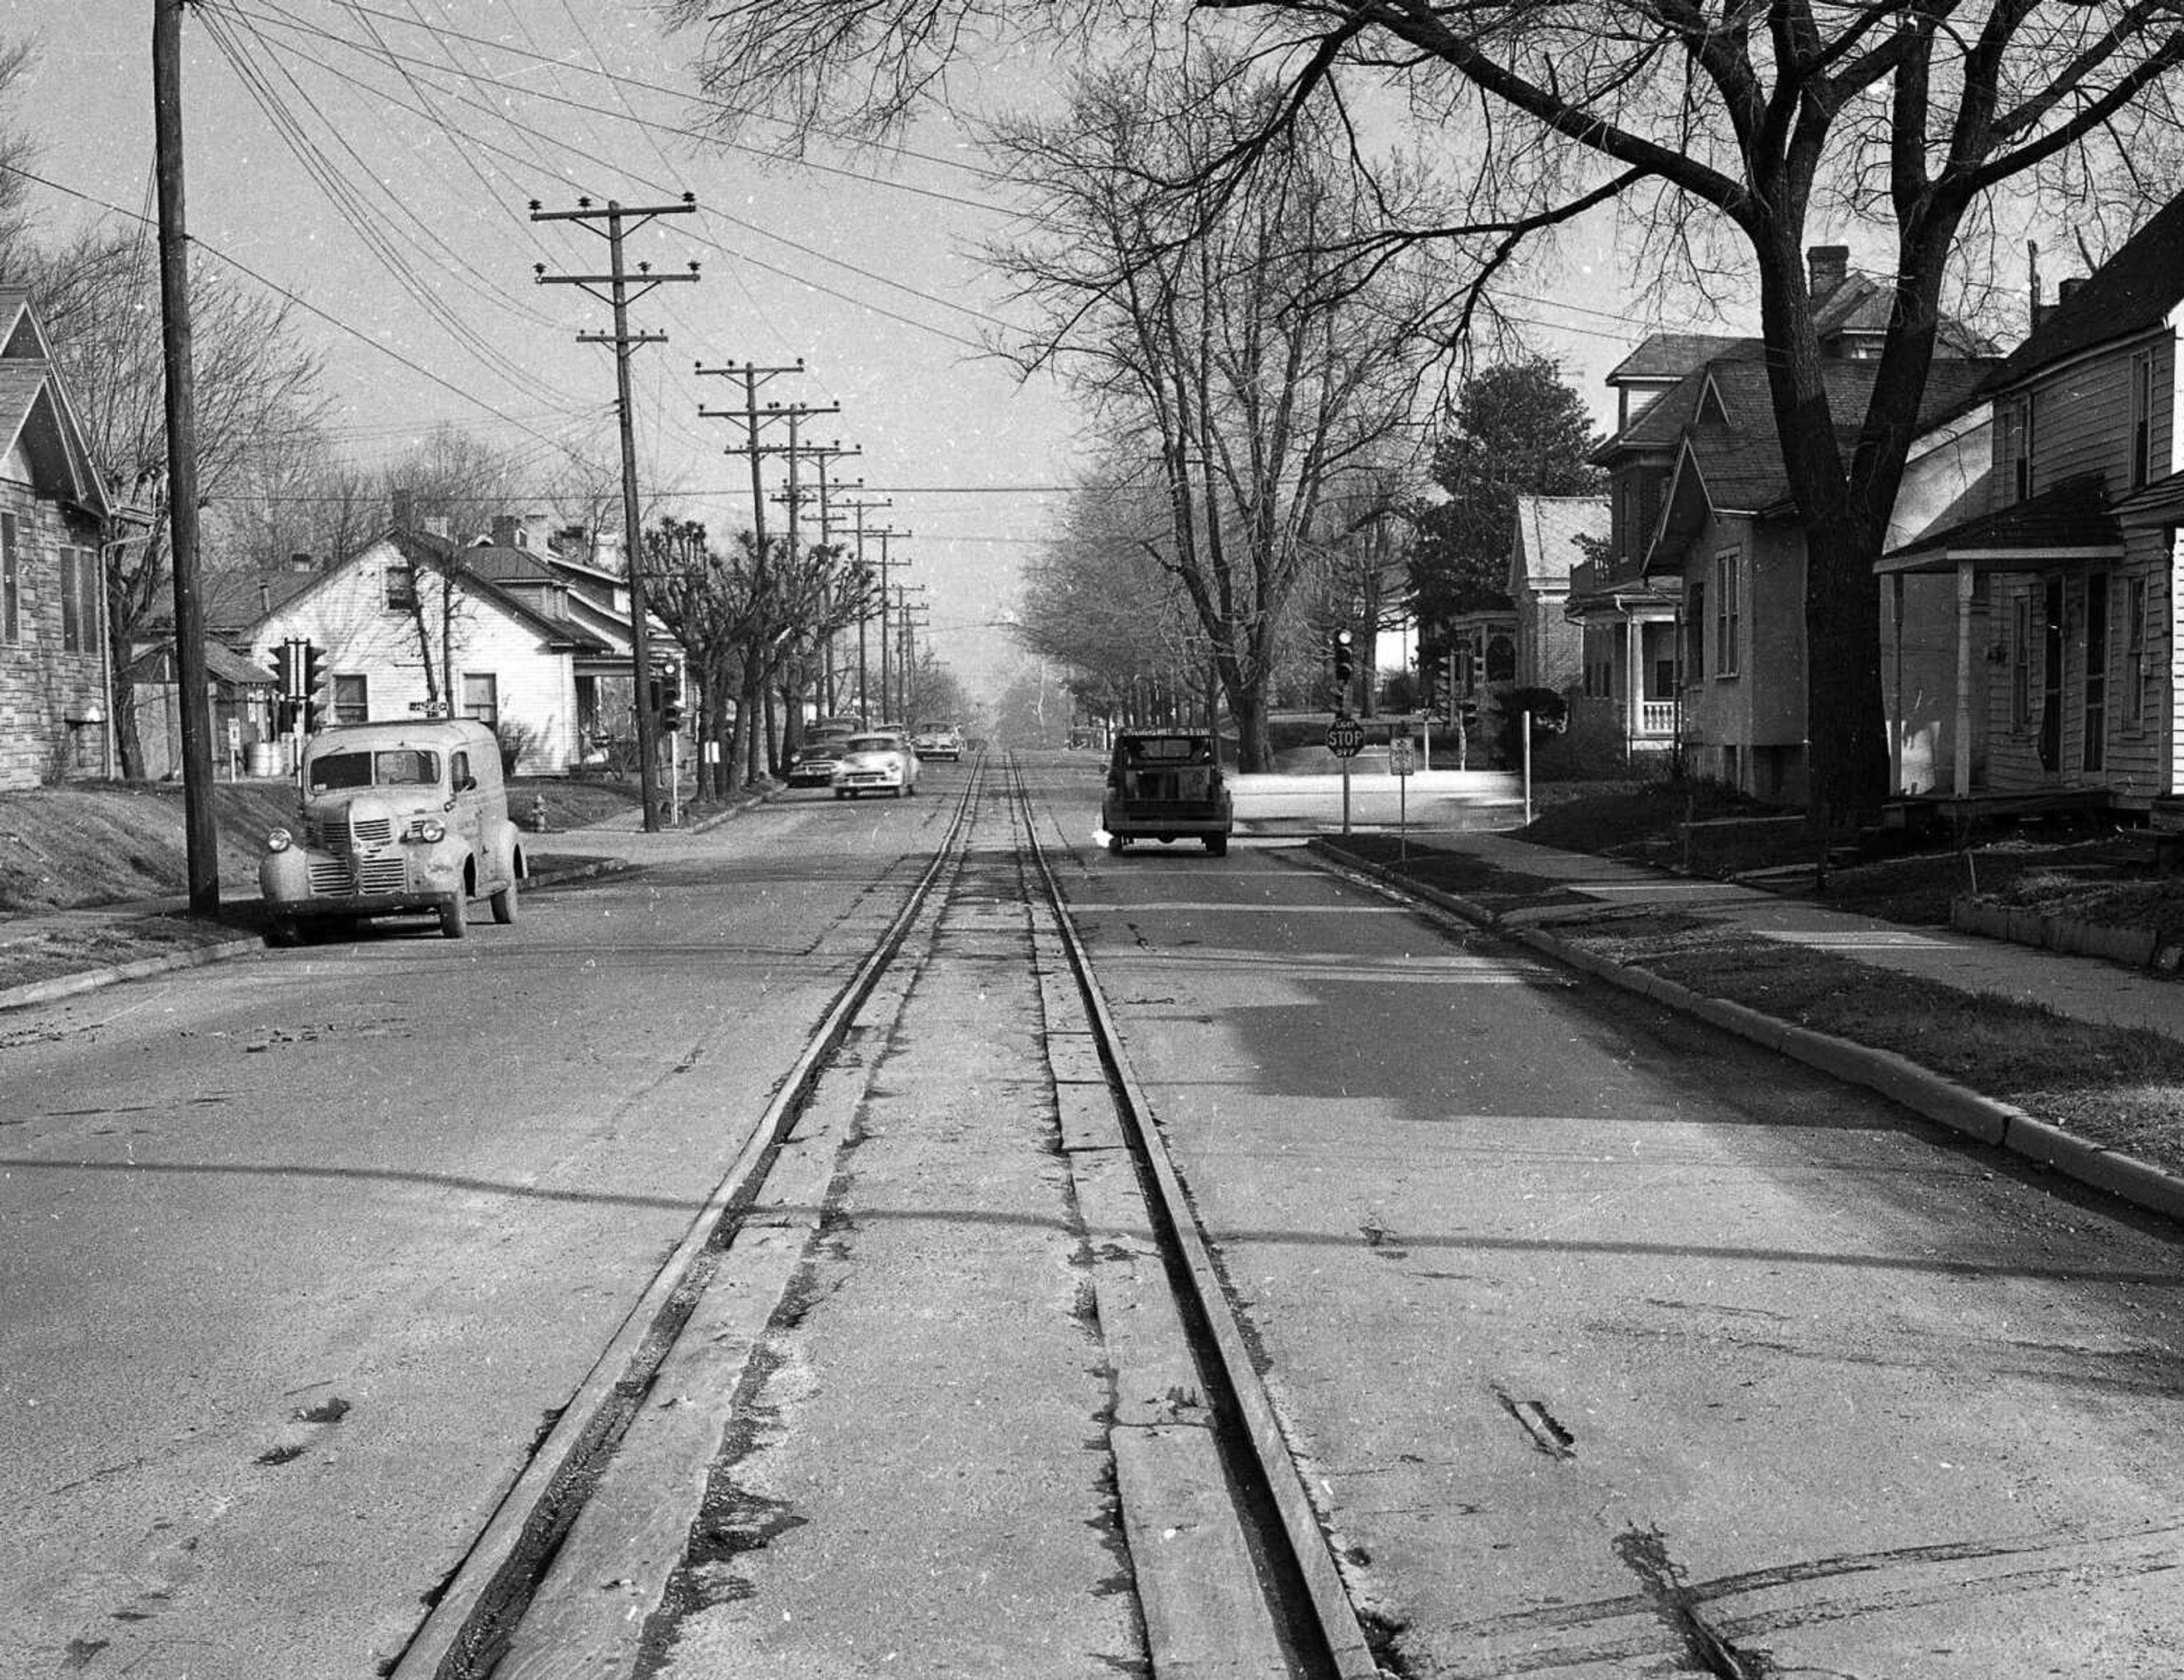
670,714
1429,683
301,671
1345,645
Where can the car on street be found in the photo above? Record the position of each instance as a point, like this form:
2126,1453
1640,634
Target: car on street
1166,785
938,743
812,764
875,763
395,818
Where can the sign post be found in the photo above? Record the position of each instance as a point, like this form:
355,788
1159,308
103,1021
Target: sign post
1400,765
1346,736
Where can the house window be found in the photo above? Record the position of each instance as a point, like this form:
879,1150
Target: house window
79,600
2020,663
2141,417
481,698
71,615
2134,661
2017,447
1728,612
401,587
11,582
351,699
1695,635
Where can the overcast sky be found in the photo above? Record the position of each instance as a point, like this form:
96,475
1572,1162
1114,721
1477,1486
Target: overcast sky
382,170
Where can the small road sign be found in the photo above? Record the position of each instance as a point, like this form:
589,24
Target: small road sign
1402,761
1345,737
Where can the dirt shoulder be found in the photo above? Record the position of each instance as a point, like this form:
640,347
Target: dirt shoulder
80,865
2121,1089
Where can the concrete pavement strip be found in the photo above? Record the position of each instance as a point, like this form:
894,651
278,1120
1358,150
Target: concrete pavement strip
1920,1089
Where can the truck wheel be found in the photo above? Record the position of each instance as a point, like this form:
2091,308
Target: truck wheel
1116,842
451,919
283,934
503,904
1217,844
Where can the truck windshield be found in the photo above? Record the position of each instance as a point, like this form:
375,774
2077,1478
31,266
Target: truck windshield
401,767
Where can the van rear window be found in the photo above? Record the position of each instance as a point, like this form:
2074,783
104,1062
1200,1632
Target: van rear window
402,767
1166,749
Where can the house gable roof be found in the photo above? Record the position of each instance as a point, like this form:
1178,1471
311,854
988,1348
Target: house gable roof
1729,459
2131,293
561,634
36,412
1547,549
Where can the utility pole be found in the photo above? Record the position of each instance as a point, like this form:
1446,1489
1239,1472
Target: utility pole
753,421
200,832
821,456
620,221
907,648
864,607
884,533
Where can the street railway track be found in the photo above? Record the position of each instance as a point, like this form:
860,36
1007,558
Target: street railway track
591,1554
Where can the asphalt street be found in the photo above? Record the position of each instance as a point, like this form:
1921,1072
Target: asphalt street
1603,1336
1608,1344
299,1252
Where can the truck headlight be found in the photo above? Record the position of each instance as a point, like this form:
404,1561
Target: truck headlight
429,829
279,840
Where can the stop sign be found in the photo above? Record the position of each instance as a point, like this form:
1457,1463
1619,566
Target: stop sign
1345,737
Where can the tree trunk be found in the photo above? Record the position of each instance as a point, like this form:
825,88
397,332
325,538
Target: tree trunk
1846,731
1254,745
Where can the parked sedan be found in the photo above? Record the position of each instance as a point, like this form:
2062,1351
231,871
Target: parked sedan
875,763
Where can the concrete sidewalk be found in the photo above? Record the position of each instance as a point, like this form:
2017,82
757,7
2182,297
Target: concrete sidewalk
2084,988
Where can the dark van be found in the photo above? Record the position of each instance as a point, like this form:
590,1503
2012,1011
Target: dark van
1166,785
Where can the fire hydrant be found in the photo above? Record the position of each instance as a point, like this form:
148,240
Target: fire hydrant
538,813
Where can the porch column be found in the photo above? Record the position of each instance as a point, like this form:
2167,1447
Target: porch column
1634,684
1898,723
1961,770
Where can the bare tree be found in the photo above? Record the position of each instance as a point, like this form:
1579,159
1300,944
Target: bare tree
1099,605
18,152
1231,335
1724,134
98,296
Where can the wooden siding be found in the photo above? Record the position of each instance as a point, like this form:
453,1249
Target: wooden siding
2137,760
348,618
2082,419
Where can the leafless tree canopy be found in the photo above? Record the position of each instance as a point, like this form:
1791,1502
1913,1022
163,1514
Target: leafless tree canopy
1725,134
1236,342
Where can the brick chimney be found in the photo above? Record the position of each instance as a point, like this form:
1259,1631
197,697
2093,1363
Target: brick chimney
503,529
405,510
2067,289
1826,265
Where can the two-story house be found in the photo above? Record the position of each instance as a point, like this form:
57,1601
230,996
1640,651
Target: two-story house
1693,617
2066,627
54,680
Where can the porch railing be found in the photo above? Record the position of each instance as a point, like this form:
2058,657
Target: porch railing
1656,720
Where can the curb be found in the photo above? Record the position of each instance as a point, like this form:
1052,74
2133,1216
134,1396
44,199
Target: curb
93,979
1986,1119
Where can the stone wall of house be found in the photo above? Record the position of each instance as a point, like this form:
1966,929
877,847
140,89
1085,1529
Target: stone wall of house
53,721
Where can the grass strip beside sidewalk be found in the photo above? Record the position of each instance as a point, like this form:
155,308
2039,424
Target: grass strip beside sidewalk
2120,1088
